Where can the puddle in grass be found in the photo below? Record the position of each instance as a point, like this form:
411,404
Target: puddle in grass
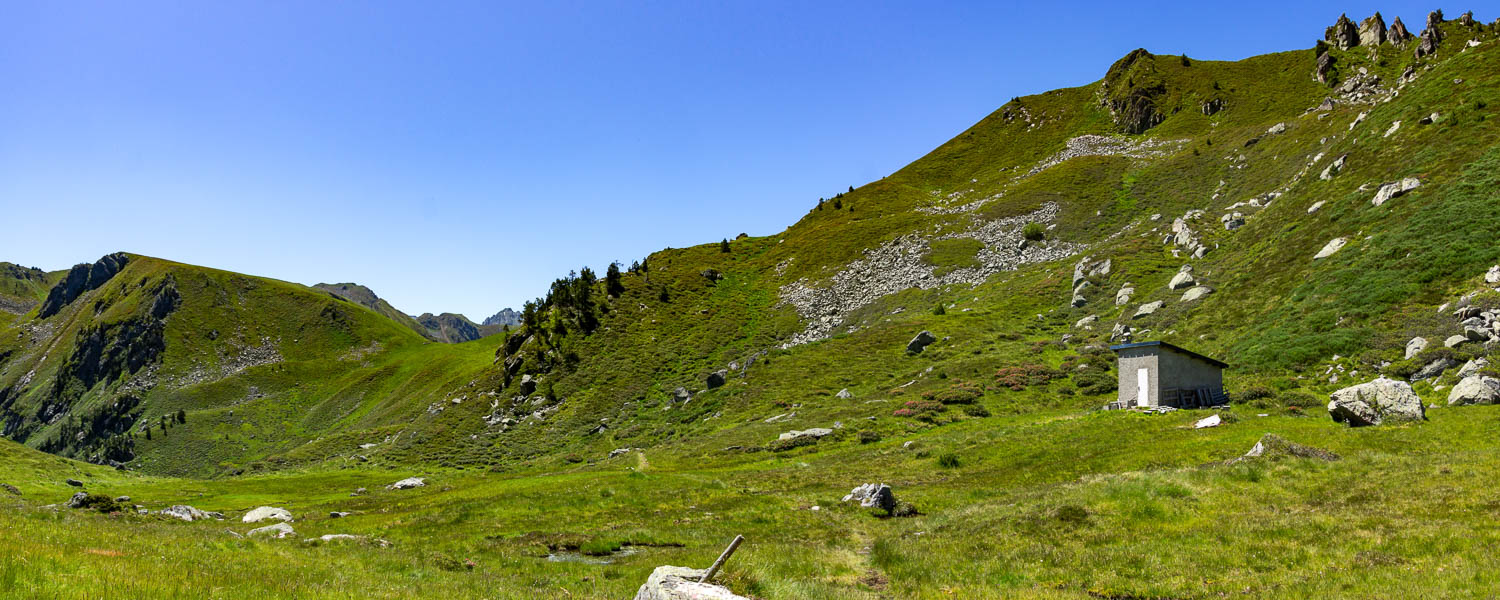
575,557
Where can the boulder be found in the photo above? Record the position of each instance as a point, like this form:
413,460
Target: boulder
408,483
870,495
1398,33
338,515
815,432
267,512
1434,368
1276,129
681,583
844,394
1332,246
1183,279
74,483
1492,275
1078,301
528,385
1196,293
1376,402
1122,297
277,531
1476,334
1475,389
1455,341
1209,421
617,452
1415,346
184,512
681,395
919,343
1086,322
1148,308
1473,367
10,489
1272,446
717,378
1395,189
1332,169
79,500
122,499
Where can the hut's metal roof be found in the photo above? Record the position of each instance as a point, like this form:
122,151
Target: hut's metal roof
1218,363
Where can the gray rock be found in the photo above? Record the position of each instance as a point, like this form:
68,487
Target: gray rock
1122,297
1476,334
1473,367
1331,170
1376,402
1343,34
184,512
815,432
1434,368
1398,34
408,483
1078,301
77,500
919,343
681,395
10,489
1148,308
844,394
122,499
681,583
267,512
717,378
1183,279
1492,275
1475,389
1332,246
277,531
528,385
1372,31
1277,129
870,495
1196,293
1394,190
617,452
74,483
1415,346
1086,322
338,515
1455,341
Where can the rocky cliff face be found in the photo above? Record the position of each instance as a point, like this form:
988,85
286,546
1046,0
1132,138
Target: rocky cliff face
82,278
1131,90
450,328
503,318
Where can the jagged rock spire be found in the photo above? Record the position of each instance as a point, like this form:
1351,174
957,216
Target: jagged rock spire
1431,35
1466,19
1398,34
1343,33
1372,31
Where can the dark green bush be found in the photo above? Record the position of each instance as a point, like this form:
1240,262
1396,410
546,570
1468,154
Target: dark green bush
948,460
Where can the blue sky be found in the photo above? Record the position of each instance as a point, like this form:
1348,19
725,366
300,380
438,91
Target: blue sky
459,156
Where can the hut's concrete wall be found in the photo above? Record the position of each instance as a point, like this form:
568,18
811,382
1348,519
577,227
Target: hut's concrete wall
1131,361
1183,372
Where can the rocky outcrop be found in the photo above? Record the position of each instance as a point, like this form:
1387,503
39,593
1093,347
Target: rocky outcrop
1196,293
1372,31
1342,34
1475,389
681,583
506,317
1330,248
1394,190
1324,69
81,279
920,343
1415,346
268,512
1183,279
1376,402
1148,309
1398,34
1432,35
449,327
871,495
188,513
408,483
1131,90
1274,447
277,531
716,379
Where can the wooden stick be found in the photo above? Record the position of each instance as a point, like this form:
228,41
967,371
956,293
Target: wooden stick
709,574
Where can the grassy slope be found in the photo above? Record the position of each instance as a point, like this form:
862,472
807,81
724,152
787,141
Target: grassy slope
1402,514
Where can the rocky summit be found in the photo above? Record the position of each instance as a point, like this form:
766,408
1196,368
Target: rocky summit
1197,328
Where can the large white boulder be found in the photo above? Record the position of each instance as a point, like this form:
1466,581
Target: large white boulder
1332,246
1415,346
1376,402
277,531
681,583
268,512
1475,389
408,483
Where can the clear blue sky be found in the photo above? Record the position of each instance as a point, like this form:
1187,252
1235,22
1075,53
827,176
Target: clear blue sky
459,156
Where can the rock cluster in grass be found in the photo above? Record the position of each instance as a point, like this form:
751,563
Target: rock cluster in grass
901,265
277,531
871,495
188,513
1103,145
1274,447
267,512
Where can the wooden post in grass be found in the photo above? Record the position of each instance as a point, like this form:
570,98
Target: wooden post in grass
709,574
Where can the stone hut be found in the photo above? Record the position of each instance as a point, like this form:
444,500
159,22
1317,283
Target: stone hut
1160,374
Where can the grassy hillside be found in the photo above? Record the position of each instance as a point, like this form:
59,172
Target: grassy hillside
688,365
